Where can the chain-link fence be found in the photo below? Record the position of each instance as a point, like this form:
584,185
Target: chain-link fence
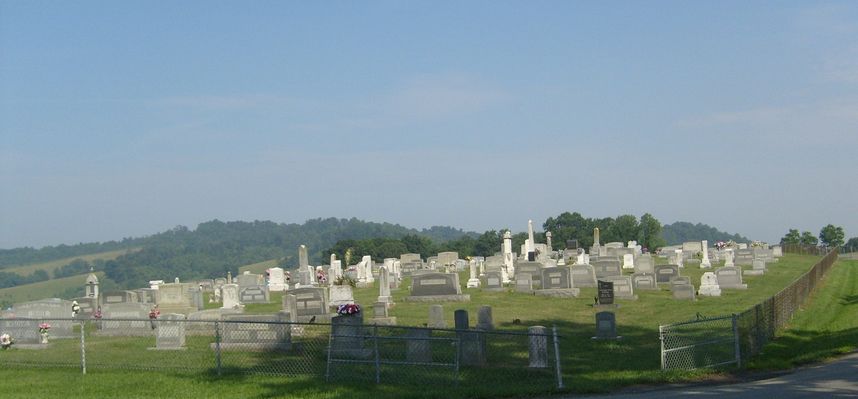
345,350
705,342
758,325
724,340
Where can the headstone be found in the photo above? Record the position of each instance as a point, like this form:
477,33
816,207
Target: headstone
777,251
126,319
254,294
623,287
229,295
583,276
310,303
473,281
261,333
644,264
628,261
607,268
537,347
448,258
381,315
303,258
606,292
176,298
434,286
704,260
44,310
384,286
484,318
534,269
170,333
572,244
730,277
606,325
709,285
341,295
644,281
493,281
759,268
665,273
682,288
471,344
524,283
436,317
728,258
276,279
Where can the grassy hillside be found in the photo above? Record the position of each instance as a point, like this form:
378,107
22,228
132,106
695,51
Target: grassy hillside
44,289
55,264
258,268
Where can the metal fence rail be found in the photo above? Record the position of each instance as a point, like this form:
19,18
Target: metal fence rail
339,352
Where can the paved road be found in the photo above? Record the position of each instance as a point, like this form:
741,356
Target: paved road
837,379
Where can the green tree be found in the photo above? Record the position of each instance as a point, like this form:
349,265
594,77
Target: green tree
832,236
807,239
488,243
569,226
791,238
649,233
851,245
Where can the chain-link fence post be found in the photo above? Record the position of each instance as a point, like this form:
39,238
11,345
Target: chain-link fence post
377,355
82,347
557,357
736,346
661,340
217,345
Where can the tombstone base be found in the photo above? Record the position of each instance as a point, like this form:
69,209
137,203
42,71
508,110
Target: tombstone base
709,291
253,347
439,298
605,307
178,348
734,287
473,283
383,321
559,292
753,272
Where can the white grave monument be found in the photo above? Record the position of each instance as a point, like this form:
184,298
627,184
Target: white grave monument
704,262
709,285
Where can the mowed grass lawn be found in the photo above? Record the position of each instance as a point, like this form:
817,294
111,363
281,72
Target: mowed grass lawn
588,365
43,289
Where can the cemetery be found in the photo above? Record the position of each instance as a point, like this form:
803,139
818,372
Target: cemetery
487,320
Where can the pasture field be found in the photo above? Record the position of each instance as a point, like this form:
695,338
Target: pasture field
50,266
825,327
44,289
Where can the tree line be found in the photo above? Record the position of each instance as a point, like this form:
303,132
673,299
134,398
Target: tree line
830,236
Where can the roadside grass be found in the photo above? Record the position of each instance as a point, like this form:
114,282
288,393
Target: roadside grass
589,366
826,327
25,270
43,289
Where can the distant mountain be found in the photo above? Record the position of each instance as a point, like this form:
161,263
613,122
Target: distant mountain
28,255
679,232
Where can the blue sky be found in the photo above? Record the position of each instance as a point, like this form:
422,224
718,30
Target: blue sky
120,119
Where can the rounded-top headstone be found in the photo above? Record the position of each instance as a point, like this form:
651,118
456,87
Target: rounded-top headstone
484,318
461,319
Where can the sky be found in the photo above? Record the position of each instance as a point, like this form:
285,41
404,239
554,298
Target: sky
124,119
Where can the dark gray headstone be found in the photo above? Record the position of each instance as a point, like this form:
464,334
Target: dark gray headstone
433,284
665,273
644,281
460,317
607,267
556,277
606,292
606,325
537,347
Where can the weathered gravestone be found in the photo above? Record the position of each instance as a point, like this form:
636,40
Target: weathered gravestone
759,268
276,279
340,295
709,285
537,347
47,309
177,298
744,257
606,326
623,288
665,273
644,281
436,317
583,276
682,288
644,264
493,281
524,283
436,287
484,318
170,332
255,333
126,319
229,295
254,294
730,277
118,297
628,261
533,269
606,267
381,315
310,303
557,282
418,345
472,344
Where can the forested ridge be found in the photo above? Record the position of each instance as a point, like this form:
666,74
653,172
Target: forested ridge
215,247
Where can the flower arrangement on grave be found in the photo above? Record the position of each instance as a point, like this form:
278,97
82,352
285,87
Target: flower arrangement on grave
44,328
720,245
97,315
154,313
75,308
6,341
350,309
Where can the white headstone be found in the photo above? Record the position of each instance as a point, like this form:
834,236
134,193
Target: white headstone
628,261
276,279
384,286
229,294
473,281
704,261
709,285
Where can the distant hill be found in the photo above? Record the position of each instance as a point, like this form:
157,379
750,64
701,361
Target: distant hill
679,232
